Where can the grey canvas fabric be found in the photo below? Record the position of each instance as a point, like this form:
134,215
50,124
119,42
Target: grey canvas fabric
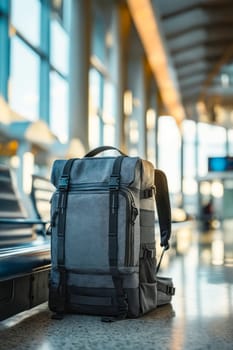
85,282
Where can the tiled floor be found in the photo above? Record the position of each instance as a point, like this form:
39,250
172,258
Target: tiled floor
200,317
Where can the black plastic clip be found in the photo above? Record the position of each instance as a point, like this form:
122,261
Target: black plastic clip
170,290
63,183
114,182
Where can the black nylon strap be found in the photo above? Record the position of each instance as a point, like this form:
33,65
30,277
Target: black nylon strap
147,193
163,207
63,188
114,185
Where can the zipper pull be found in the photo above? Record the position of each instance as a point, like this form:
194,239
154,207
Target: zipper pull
53,219
49,231
134,214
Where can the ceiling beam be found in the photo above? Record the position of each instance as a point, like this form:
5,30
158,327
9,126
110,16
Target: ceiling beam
198,53
149,28
224,59
201,36
196,68
197,18
190,91
193,79
170,8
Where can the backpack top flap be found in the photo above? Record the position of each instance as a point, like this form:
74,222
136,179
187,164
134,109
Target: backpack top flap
98,170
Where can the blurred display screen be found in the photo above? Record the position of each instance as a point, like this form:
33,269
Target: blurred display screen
220,163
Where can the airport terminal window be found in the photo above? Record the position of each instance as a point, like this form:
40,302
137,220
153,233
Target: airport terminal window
230,142
23,90
98,42
108,114
59,47
133,136
59,106
151,138
102,91
101,110
189,141
39,54
26,19
95,106
189,182
169,141
59,55
211,142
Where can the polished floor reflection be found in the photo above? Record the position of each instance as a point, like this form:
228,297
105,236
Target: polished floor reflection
204,299
200,317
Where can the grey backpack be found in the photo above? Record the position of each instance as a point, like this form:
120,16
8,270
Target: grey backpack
103,236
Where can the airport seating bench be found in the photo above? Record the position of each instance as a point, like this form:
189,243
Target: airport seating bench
24,252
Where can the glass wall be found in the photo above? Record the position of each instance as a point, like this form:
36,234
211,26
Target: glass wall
24,82
59,61
26,19
151,135
23,90
200,141
59,48
102,89
34,68
211,142
38,74
59,120
230,142
169,155
189,182
95,106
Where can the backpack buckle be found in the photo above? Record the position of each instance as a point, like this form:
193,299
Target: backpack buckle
63,182
114,182
170,290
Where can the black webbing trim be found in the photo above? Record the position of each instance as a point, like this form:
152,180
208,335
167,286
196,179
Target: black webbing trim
114,185
165,288
63,187
163,207
147,193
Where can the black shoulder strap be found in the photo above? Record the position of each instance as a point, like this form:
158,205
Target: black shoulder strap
163,207
63,187
164,211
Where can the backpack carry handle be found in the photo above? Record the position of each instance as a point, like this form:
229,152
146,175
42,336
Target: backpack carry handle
163,207
100,149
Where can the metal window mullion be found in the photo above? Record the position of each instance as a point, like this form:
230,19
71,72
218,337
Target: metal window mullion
5,54
37,50
61,75
44,108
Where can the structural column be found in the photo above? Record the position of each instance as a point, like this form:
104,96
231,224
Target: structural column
137,86
79,70
151,123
